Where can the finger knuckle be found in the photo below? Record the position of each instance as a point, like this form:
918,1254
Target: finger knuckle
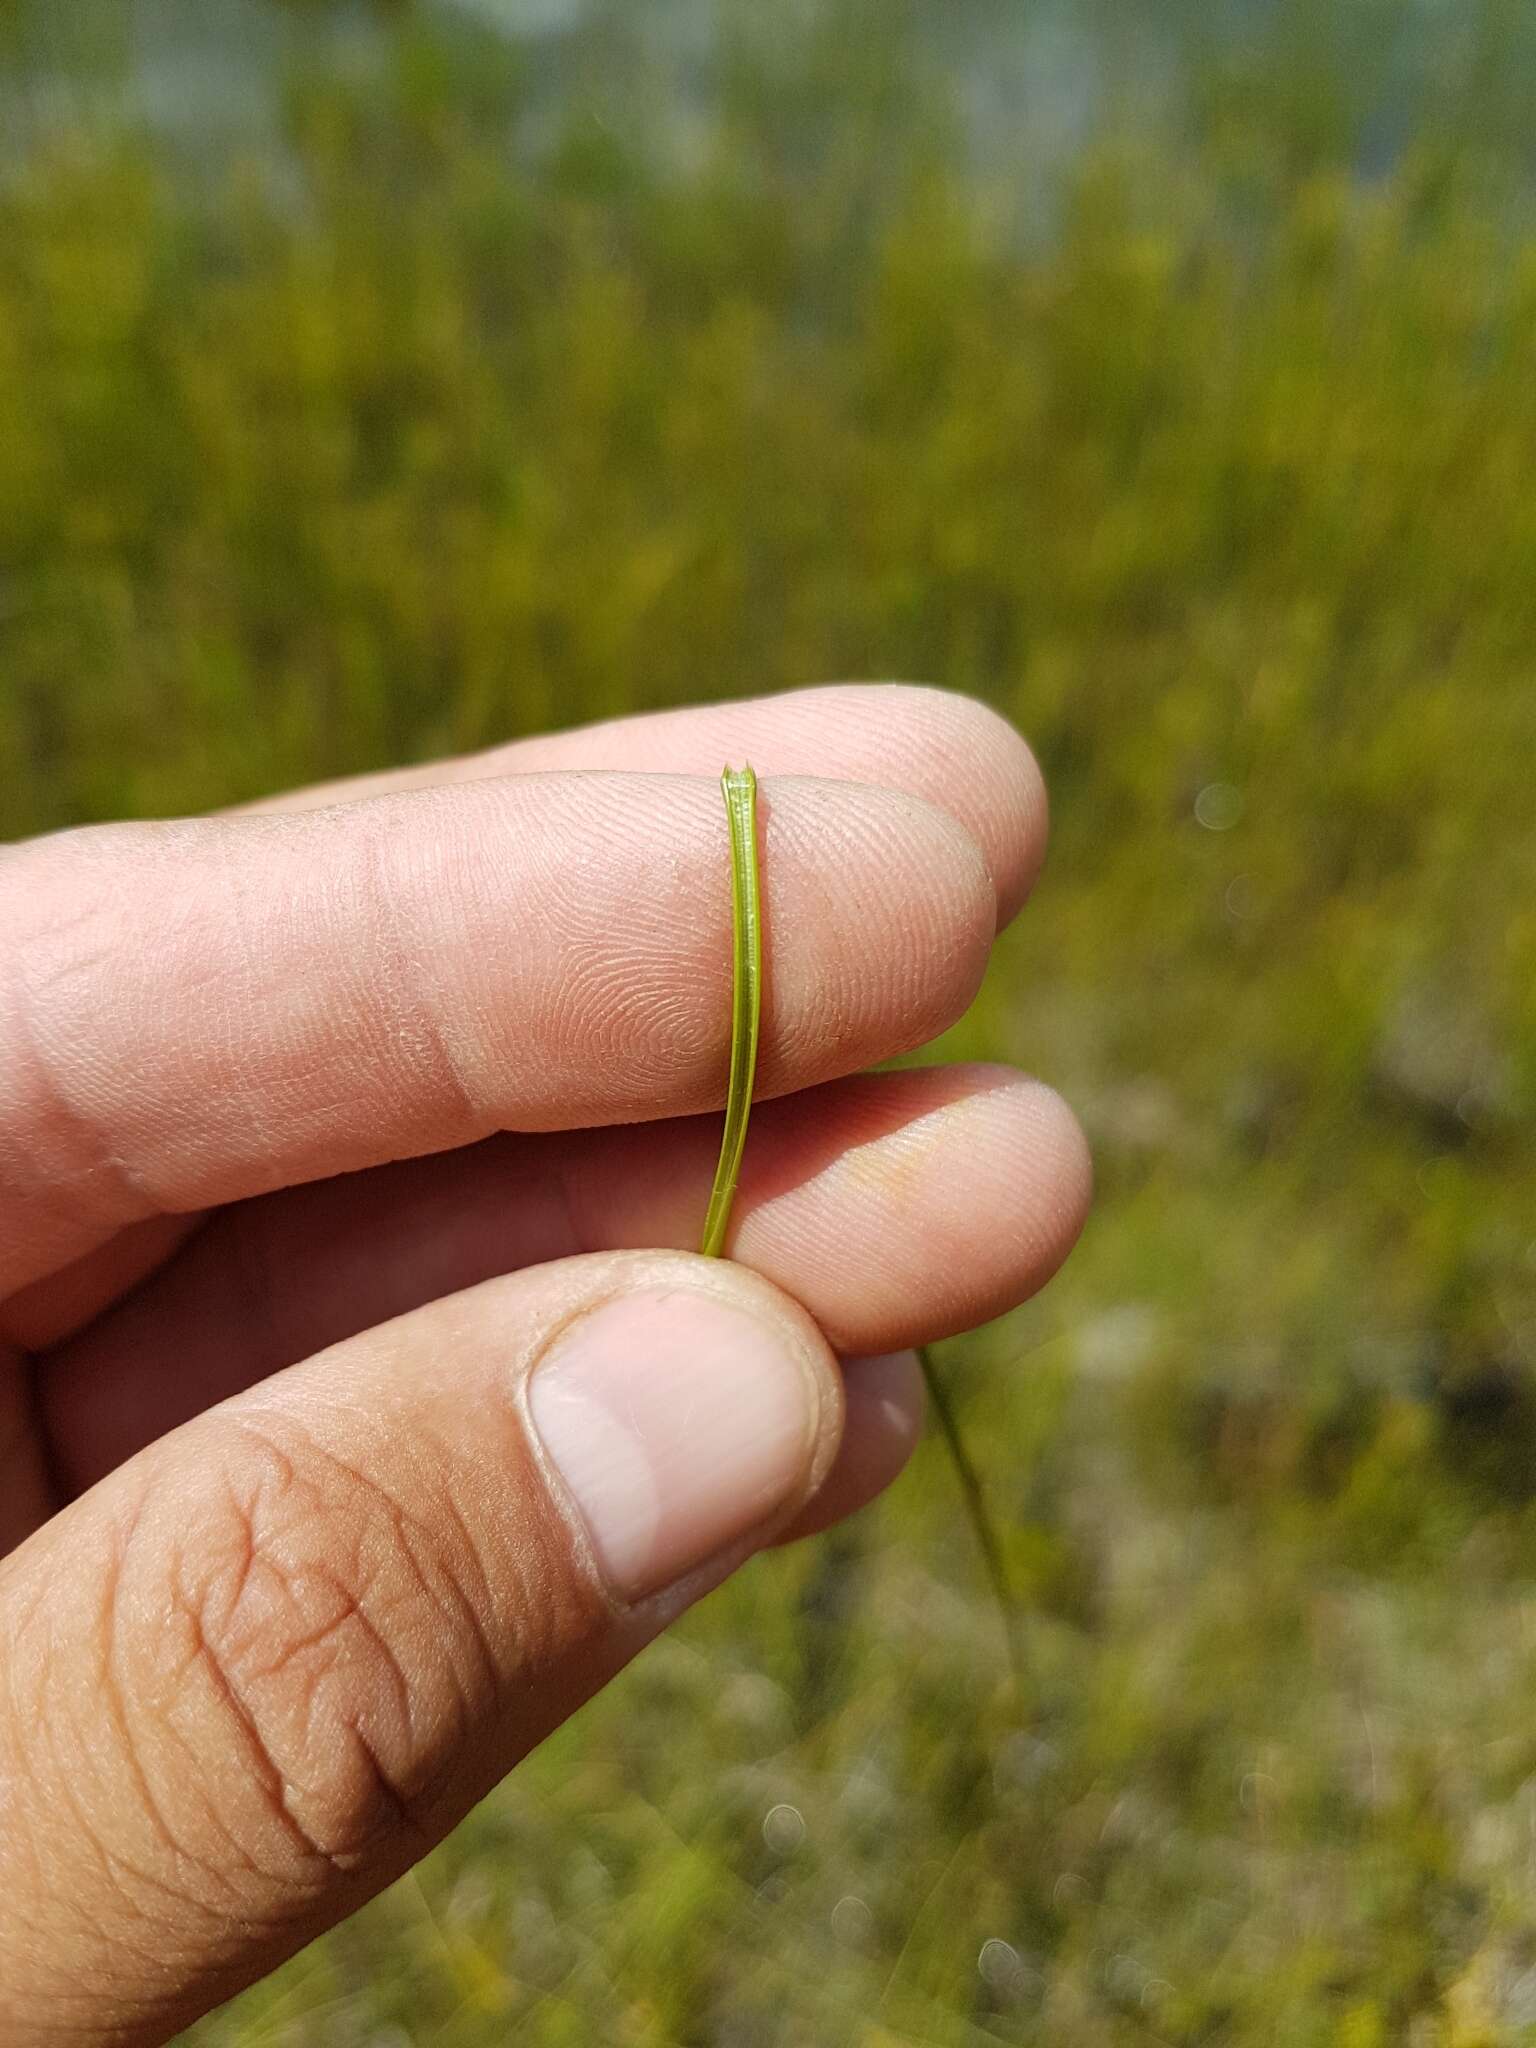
61,932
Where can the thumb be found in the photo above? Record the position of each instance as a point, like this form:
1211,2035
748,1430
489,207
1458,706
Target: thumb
257,1672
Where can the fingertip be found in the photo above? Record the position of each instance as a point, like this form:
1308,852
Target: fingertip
1014,811
880,913
884,1407
1064,1158
1028,1149
964,1188
979,766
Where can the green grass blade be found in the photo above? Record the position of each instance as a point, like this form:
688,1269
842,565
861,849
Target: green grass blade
978,1514
740,787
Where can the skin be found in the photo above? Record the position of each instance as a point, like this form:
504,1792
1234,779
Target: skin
316,1122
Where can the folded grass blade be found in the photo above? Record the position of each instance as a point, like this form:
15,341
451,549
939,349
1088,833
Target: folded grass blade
740,787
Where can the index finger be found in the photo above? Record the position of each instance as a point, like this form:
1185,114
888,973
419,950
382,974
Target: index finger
213,1008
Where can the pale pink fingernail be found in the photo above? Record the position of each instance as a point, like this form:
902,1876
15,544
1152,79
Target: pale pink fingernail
678,1424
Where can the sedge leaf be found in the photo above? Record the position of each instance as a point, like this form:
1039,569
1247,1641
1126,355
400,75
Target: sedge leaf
740,787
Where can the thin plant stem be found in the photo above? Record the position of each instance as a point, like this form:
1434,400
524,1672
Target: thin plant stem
740,787
978,1514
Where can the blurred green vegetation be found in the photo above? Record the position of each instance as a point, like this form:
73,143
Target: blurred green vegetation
453,420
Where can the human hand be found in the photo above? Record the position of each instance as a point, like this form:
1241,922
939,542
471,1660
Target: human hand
352,1428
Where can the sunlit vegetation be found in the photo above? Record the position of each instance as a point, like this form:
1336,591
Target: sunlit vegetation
1214,465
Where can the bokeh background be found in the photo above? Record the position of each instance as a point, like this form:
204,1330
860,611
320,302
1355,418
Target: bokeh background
382,380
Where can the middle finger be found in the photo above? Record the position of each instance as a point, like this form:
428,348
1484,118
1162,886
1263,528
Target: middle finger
898,1208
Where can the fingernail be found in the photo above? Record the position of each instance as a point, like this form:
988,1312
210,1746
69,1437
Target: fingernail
677,1424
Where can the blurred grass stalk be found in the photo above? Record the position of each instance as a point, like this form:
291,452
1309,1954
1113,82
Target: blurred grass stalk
979,1514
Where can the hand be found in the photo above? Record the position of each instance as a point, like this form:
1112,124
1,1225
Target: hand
351,1434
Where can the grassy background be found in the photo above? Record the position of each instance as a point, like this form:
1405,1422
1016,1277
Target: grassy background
1207,455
